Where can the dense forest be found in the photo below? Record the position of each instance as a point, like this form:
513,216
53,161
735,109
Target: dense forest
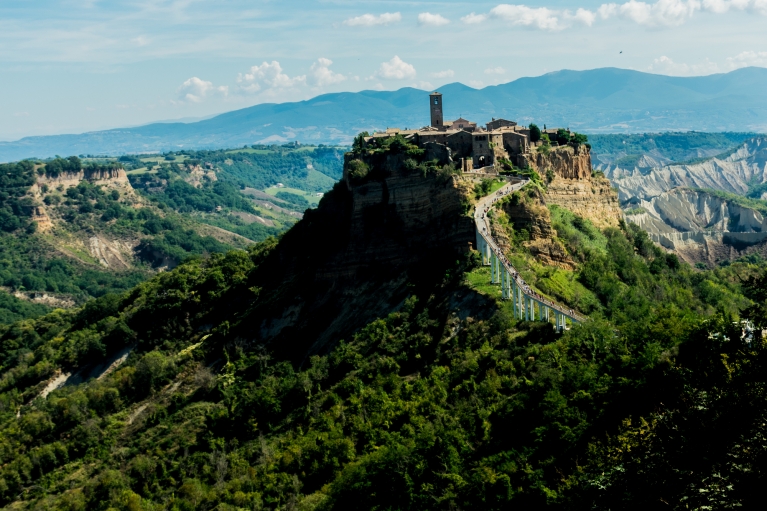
657,402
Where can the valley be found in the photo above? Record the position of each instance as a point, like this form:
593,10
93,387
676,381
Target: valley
80,228
710,210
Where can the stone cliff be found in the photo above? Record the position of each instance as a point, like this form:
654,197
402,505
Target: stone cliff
385,227
526,212
701,227
572,186
736,173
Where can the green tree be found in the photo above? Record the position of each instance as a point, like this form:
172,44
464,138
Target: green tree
535,133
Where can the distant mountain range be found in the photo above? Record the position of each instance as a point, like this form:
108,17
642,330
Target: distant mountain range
607,100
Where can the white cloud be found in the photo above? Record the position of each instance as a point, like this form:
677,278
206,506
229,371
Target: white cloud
322,75
662,12
722,6
495,70
434,20
477,84
268,76
665,65
473,19
396,69
748,58
447,73
539,17
369,20
194,90
424,85
582,16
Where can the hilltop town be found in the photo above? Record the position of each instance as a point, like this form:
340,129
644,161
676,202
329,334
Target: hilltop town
500,144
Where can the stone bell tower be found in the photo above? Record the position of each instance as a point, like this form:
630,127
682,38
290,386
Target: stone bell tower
435,106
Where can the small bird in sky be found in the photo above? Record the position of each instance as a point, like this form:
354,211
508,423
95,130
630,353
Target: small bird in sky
621,51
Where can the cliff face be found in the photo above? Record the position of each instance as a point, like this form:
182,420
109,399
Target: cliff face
369,239
573,187
527,211
734,174
111,178
701,227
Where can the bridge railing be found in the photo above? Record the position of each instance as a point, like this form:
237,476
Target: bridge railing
513,286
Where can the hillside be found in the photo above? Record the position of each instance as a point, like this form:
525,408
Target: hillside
73,230
614,152
605,100
364,358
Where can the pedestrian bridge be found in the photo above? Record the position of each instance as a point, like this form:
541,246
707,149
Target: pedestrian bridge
527,303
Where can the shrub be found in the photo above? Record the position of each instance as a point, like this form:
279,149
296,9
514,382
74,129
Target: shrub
358,169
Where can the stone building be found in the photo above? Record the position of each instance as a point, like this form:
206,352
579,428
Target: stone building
461,140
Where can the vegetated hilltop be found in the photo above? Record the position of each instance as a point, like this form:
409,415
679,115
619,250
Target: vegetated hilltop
708,211
364,358
72,229
604,100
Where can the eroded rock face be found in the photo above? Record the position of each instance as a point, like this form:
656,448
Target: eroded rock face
701,227
111,178
527,211
41,218
573,187
566,162
745,166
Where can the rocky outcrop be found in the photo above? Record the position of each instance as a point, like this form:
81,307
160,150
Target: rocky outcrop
111,178
355,256
196,175
526,211
572,186
734,174
115,254
701,227
41,218
566,162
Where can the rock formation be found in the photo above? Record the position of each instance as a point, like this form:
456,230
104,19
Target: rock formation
744,167
701,227
526,211
371,237
572,186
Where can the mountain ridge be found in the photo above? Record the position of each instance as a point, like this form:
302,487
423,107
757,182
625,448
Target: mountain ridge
598,100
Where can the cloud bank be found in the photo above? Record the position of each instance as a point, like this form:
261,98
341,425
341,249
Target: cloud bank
662,13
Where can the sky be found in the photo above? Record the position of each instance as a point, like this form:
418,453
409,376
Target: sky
70,66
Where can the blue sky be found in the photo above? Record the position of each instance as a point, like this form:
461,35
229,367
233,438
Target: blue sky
68,66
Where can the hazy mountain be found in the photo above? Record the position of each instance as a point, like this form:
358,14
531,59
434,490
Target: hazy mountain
599,100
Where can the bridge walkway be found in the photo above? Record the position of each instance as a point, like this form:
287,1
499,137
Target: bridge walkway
527,303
